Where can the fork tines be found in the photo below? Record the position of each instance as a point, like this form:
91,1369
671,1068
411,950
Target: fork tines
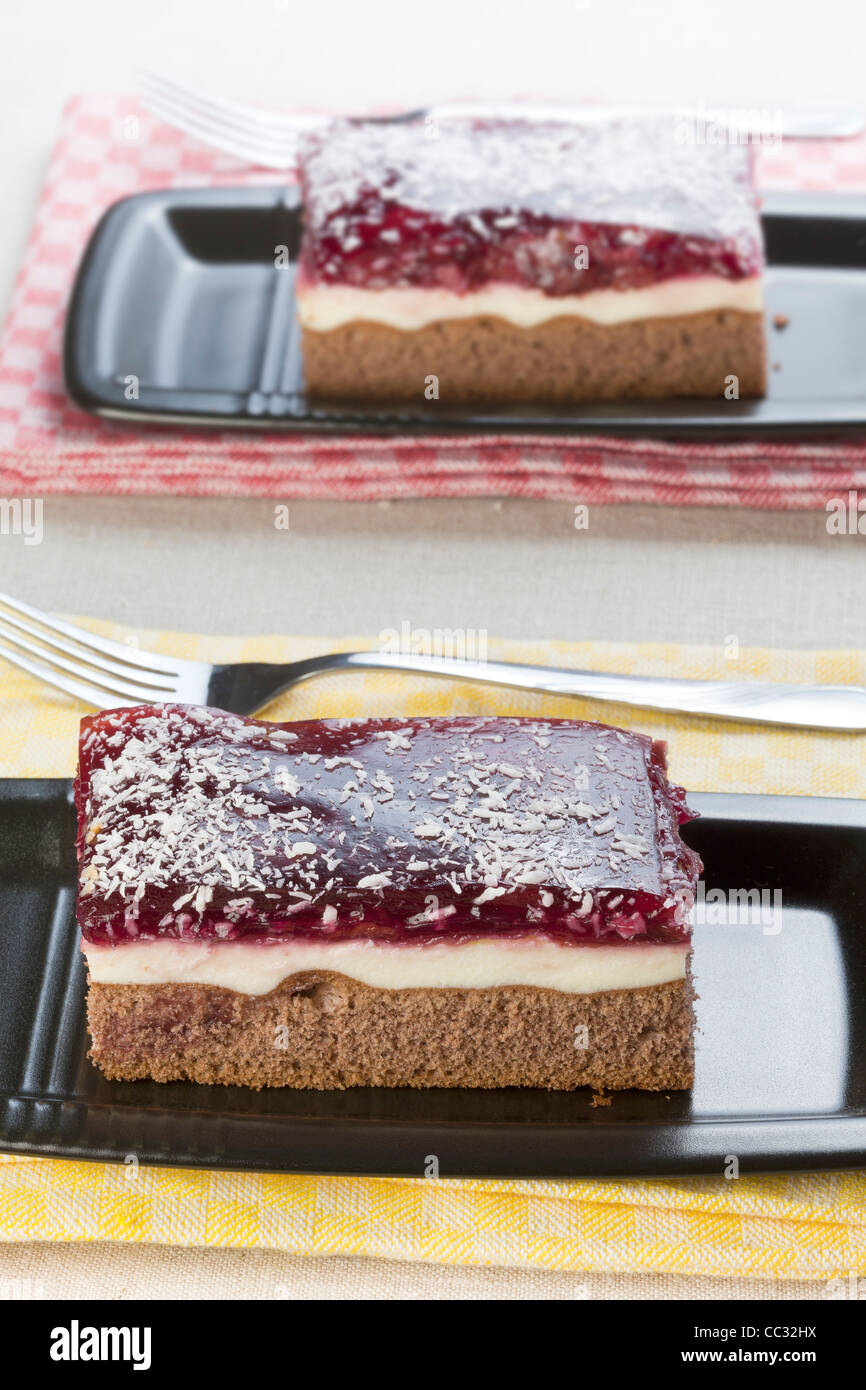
256,136
93,668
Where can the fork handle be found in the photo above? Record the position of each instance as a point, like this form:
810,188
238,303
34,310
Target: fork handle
839,707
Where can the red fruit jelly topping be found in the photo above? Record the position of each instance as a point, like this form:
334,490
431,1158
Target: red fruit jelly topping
194,823
560,207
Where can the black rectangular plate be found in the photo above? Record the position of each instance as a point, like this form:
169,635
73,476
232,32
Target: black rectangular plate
180,291
781,1060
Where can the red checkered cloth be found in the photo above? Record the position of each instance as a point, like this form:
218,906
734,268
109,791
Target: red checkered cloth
109,147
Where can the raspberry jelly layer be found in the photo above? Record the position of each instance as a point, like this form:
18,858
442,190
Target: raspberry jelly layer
566,207
197,824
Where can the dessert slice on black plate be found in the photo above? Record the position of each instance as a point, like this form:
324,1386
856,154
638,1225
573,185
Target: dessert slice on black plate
423,902
521,261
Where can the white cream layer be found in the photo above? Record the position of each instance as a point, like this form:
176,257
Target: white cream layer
324,307
482,964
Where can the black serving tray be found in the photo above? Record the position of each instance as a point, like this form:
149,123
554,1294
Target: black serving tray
781,1061
179,289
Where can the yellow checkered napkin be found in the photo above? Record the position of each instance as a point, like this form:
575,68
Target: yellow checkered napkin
798,1227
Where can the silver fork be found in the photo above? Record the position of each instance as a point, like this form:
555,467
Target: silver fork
109,674
269,138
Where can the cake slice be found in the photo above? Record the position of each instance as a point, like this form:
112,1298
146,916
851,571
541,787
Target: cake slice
382,902
520,261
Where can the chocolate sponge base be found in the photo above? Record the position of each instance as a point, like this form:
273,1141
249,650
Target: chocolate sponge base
564,359
324,1031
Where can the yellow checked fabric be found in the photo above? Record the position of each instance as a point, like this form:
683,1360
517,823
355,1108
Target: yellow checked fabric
796,1227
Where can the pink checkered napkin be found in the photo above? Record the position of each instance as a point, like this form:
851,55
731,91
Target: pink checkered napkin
108,147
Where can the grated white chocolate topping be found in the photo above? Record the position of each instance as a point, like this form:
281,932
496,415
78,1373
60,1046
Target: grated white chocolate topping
632,172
